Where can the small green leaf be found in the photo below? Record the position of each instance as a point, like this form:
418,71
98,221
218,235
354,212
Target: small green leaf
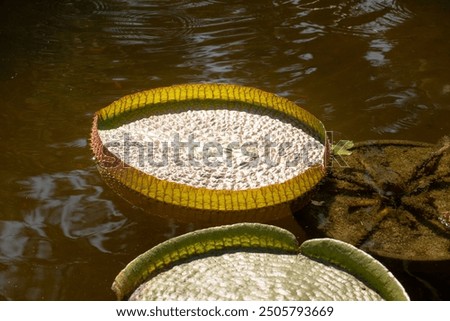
343,147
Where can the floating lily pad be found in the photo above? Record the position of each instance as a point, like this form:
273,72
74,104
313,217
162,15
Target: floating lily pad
210,152
389,198
251,261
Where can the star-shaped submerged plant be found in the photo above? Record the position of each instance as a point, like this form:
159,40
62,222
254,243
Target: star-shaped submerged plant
391,199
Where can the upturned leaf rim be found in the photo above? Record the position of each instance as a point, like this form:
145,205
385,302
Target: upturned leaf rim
131,180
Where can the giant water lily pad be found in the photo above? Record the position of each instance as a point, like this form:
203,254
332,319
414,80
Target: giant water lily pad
389,198
210,152
251,261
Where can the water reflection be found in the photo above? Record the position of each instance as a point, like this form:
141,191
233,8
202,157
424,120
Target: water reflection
83,213
61,209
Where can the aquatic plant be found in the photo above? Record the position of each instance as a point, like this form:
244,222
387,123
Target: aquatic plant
262,173
390,199
251,261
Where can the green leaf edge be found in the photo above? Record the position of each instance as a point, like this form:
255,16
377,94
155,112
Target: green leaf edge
357,263
236,236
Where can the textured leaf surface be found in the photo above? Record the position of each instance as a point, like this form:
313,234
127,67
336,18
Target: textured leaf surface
237,236
204,92
245,275
131,181
357,263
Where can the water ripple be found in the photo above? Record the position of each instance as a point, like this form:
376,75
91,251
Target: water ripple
398,110
364,17
146,23
137,27
99,5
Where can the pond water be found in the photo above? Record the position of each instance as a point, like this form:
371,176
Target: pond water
369,69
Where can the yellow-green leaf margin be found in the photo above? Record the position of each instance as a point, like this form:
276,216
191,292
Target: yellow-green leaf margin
144,190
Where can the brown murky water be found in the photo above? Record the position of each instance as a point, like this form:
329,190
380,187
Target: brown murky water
369,69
